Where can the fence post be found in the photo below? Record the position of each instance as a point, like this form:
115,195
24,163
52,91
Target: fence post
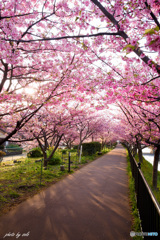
80,154
138,187
41,172
69,162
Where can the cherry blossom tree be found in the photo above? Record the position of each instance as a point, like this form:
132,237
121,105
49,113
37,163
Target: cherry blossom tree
62,77
143,124
120,26
70,138
102,52
46,129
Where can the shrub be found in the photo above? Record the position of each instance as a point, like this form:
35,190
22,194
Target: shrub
54,161
72,150
35,152
91,148
56,158
2,153
64,151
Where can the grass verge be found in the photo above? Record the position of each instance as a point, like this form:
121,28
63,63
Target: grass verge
136,222
147,170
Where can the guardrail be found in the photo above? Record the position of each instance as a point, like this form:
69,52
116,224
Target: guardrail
149,208
12,151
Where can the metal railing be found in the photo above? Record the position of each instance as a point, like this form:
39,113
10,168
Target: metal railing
12,151
149,208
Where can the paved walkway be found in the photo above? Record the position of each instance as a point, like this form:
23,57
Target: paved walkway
91,204
16,157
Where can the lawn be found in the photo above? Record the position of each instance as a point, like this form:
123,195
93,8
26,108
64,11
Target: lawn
136,222
28,177
147,170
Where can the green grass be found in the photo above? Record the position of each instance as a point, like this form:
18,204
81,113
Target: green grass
136,227
147,170
13,194
24,179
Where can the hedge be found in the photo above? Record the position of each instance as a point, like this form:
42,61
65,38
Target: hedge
91,148
35,152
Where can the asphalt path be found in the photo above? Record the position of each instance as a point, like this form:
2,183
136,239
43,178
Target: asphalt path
91,204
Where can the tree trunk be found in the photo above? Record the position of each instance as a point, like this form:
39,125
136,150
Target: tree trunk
45,157
140,156
55,148
78,149
155,167
45,162
103,145
43,149
69,144
134,150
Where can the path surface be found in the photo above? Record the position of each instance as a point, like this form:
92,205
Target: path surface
14,157
91,204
